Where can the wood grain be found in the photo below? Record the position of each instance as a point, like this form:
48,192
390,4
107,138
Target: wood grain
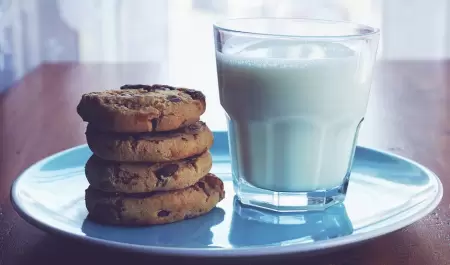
408,114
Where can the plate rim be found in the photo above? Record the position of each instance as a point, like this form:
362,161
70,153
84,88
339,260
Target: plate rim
249,251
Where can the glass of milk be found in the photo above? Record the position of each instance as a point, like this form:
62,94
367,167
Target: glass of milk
295,93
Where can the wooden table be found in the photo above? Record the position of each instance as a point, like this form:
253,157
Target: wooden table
409,114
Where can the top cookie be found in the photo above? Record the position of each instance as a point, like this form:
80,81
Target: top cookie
142,108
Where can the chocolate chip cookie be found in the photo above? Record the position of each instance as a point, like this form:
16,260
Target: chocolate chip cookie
142,108
150,147
113,176
156,207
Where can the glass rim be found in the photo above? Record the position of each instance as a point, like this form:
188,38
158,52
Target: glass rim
369,31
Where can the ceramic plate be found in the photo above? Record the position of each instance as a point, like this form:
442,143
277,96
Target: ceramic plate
386,192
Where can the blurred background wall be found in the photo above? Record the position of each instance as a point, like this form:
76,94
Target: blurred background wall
177,34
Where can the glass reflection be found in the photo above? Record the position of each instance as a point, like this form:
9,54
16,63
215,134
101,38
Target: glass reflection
252,226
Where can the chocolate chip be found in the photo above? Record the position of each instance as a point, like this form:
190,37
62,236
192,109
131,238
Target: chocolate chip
138,86
162,182
195,95
194,128
163,213
173,98
154,123
202,186
166,171
134,144
163,87
184,139
148,87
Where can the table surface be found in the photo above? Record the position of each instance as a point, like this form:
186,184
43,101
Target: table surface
408,114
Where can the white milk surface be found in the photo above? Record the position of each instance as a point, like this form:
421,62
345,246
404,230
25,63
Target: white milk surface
294,109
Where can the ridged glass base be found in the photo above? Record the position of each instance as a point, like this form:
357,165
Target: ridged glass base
289,201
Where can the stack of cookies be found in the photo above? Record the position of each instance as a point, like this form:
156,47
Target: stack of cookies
150,162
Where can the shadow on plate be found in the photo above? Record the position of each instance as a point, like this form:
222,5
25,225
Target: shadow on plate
251,226
190,233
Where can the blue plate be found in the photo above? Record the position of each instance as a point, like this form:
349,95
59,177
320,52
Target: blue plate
386,192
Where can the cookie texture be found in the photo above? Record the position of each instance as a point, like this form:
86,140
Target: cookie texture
157,207
129,177
142,108
150,147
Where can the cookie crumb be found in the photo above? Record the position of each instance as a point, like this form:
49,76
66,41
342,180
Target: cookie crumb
163,213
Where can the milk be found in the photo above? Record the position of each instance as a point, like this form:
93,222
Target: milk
293,110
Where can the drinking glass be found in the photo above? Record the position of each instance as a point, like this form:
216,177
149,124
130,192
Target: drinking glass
295,92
